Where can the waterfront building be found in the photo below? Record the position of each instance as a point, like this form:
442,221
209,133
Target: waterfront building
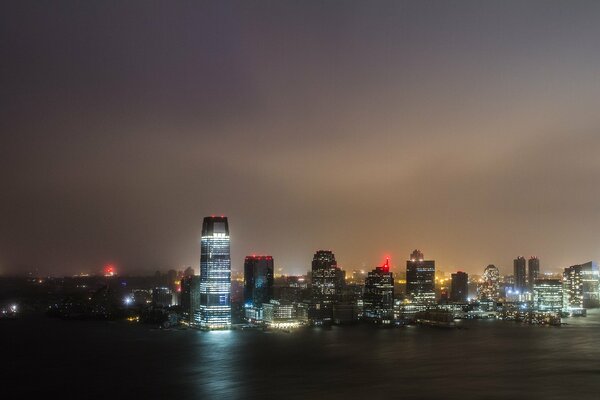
420,279
459,290
378,297
258,280
190,296
215,275
520,275
548,295
280,314
581,286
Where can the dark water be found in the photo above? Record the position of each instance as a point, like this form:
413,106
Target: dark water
489,360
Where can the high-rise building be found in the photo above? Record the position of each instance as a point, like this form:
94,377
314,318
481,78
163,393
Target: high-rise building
190,296
520,274
533,271
215,275
573,287
420,278
378,298
582,285
489,289
258,280
548,295
327,282
459,291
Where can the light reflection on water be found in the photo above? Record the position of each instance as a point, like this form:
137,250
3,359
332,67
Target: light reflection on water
487,359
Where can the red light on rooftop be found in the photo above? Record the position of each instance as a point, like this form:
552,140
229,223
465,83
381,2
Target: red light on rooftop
386,266
109,270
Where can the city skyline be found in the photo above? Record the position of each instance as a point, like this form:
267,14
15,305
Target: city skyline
465,129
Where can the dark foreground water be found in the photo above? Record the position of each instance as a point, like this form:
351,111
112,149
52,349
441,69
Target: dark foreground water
488,360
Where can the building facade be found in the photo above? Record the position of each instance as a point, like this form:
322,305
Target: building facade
258,280
215,275
459,289
420,279
489,289
190,297
520,274
327,282
581,285
548,295
533,271
378,297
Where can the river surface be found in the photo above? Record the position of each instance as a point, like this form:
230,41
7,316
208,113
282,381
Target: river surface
485,360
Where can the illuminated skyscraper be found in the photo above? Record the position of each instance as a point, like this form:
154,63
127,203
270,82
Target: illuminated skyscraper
489,289
378,298
459,290
420,278
533,271
327,283
258,280
520,274
215,275
582,285
573,287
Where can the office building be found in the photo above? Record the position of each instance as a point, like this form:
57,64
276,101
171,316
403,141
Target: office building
420,279
533,271
548,295
520,275
215,275
327,282
459,290
581,285
190,296
258,285
489,289
378,297
258,280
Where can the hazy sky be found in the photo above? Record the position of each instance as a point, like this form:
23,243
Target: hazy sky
469,130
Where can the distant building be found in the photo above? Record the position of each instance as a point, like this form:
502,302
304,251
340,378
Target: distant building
459,291
190,296
162,297
489,289
520,274
420,279
548,295
327,282
258,280
215,275
378,297
533,271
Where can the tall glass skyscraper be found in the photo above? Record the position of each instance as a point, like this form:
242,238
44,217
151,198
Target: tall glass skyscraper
258,280
420,278
215,275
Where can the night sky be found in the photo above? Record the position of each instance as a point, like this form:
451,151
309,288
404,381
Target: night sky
467,129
